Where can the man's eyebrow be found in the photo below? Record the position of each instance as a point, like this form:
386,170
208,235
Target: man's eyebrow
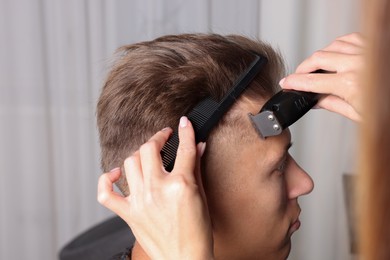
282,156
288,146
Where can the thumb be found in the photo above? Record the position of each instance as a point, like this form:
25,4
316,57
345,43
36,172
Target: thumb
186,152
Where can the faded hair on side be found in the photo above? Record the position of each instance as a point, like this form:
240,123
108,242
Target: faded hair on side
153,83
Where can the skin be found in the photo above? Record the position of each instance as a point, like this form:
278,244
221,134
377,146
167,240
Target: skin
253,205
342,88
161,203
253,194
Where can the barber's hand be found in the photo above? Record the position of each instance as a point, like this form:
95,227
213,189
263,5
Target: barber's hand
167,212
343,57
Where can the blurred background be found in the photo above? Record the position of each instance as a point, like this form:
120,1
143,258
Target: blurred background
54,55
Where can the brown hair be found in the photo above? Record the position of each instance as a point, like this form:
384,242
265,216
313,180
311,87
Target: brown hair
154,83
374,202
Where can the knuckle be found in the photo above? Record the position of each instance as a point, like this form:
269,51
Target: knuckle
339,37
133,156
129,160
309,79
148,146
180,185
103,198
351,79
291,80
318,55
152,194
352,37
288,80
356,35
102,178
342,38
337,44
149,198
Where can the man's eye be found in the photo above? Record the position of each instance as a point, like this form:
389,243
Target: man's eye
282,166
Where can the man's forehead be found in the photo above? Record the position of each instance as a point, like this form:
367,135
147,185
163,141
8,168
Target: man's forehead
278,145
245,106
250,105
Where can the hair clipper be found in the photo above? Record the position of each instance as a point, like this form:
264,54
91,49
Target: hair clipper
282,110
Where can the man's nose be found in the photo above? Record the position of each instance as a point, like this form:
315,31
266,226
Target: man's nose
298,181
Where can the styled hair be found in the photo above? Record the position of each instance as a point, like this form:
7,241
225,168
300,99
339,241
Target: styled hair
374,200
153,83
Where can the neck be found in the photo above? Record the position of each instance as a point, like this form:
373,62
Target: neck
138,253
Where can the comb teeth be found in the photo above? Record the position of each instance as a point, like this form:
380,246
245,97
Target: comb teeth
198,117
207,113
169,151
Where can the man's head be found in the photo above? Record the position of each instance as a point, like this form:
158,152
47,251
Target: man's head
251,184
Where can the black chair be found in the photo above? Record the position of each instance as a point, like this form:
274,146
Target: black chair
99,242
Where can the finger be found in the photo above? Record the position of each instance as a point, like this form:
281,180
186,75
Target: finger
133,170
198,169
106,182
329,61
345,47
317,82
150,155
340,106
353,38
108,197
186,152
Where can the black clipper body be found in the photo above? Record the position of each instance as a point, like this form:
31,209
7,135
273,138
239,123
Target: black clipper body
282,110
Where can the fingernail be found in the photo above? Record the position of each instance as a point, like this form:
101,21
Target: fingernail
282,81
202,149
165,129
115,169
183,121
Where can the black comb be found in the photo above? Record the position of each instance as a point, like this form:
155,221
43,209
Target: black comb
207,113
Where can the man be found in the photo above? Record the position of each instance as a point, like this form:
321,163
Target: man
251,184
